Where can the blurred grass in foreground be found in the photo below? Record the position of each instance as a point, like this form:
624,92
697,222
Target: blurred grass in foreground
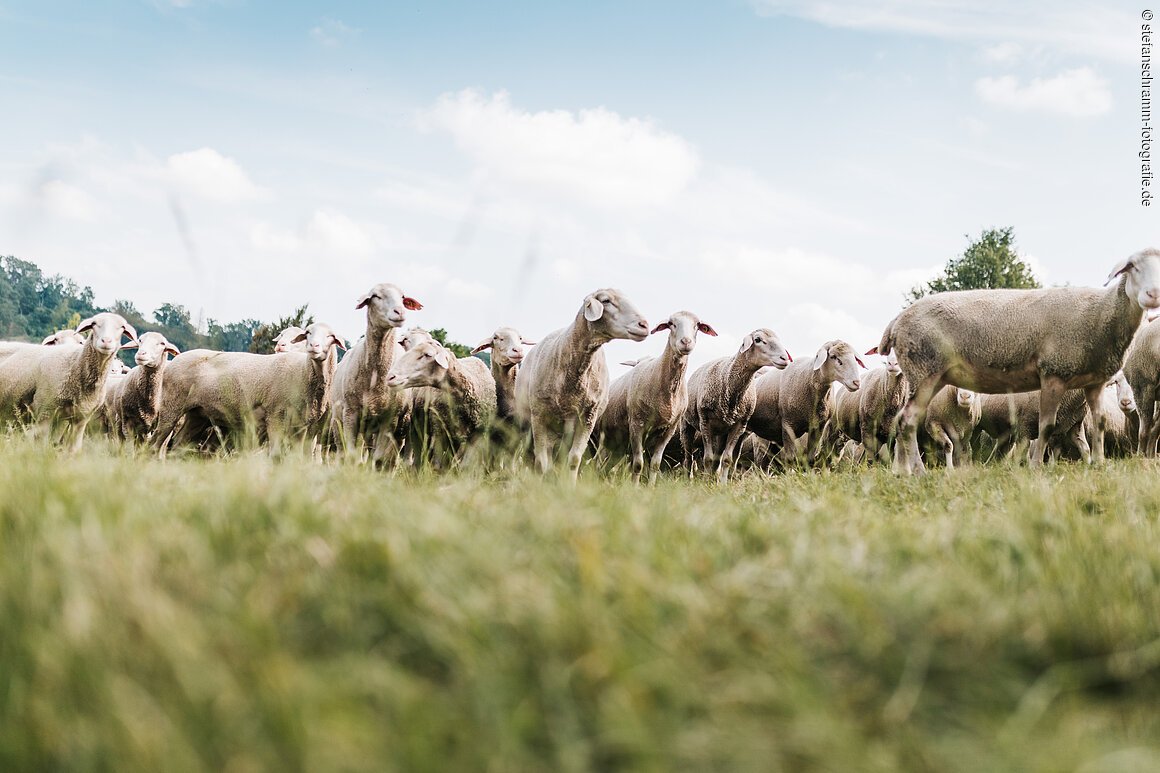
243,614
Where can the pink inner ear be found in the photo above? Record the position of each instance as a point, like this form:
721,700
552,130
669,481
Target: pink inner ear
873,351
412,304
706,328
860,363
660,327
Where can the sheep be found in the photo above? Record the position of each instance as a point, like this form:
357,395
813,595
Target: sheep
1118,414
412,338
364,412
462,388
66,336
507,352
277,396
1017,341
645,405
1142,369
1012,421
883,392
132,404
722,397
950,422
792,402
285,341
562,386
61,386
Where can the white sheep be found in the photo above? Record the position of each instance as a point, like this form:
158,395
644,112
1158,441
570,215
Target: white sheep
562,386
285,341
1142,369
950,423
646,405
61,386
132,404
791,403
721,400
1012,421
462,397
66,336
365,413
277,397
507,352
999,341
881,397
1118,415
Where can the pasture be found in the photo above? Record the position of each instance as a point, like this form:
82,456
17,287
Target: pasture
243,614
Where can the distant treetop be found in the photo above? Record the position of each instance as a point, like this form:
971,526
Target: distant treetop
988,262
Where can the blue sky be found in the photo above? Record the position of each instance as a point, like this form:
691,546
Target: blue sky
775,163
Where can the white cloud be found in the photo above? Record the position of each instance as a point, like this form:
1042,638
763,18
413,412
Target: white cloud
1078,93
1005,53
1074,26
595,154
331,33
67,201
209,174
327,232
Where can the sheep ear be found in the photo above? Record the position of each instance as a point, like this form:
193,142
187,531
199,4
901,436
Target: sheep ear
873,350
130,331
172,349
593,309
50,341
706,328
485,345
666,325
630,363
443,357
820,358
363,301
526,342
1120,268
130,345
411,303
87,324
338,341
860,363
747,343
299,338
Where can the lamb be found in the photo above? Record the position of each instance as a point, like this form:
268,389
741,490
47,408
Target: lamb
463,387
1142,370
278,397
66,336
562,386
1019,340
285,340
792,402
950,422
60,386
133,403
507,352
365,412
722,397
645,405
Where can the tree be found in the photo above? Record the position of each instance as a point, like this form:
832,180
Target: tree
459,350
987,262
262,337
175,316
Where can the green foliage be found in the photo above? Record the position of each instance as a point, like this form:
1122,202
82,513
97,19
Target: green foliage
460,350
262,340
242,614
988,262
33,305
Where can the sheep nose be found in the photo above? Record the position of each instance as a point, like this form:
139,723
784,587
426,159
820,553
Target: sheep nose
856,383
1153,295
686,342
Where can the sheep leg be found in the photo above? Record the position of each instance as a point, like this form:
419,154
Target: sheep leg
658,454
544,442
870,443
581,431
709,452
727,453
945,443
636,443
1145,407
907,460
962,450
1078,438
1093,395
1051,391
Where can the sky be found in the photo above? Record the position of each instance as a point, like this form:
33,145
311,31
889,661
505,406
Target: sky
786,164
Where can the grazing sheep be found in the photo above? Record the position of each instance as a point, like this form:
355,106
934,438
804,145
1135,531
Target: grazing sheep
792,403
722,397
562,386
950,422
507,352
66,336
463,400
1019,340
1142,369
1012,421
278,397
61,386
133,403
365,413
285,342
645,405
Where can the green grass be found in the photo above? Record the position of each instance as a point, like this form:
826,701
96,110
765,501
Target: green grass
245,615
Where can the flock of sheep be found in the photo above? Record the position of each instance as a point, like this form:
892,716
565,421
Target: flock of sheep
1057,369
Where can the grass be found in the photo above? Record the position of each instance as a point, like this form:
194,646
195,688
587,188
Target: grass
243,615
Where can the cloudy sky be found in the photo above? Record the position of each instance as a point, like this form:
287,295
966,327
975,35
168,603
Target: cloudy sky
769,163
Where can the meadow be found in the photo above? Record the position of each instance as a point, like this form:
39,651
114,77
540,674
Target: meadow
243,614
